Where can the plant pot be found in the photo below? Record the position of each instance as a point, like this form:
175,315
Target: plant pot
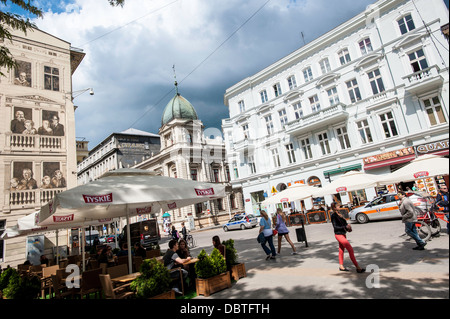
238,271
165,295
214,284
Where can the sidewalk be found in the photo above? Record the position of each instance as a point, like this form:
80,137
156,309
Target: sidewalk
399,271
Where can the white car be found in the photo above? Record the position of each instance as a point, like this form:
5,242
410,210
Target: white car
241,221
387,207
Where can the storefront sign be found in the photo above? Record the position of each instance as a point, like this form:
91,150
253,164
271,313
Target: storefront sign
432,147
389,155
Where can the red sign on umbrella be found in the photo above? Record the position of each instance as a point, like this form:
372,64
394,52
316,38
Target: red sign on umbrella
341,189
421,174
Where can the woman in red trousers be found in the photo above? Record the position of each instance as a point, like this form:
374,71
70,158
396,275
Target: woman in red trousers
340,229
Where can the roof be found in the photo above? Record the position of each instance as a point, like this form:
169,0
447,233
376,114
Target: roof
133,131
178,108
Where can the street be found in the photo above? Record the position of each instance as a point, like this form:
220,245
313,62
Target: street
394,270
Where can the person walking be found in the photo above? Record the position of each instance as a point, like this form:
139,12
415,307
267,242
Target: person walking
341,227
283,231
266,229
443,201
409,218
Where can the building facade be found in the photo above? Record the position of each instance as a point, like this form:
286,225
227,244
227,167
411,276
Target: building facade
37,134
118,150
366,95
187,153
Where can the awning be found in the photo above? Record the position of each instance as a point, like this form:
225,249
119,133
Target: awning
342,169
392,161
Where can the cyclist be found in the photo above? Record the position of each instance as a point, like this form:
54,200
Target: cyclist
442,200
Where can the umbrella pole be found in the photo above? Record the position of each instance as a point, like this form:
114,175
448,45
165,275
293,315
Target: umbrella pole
130,264
57,255
83,247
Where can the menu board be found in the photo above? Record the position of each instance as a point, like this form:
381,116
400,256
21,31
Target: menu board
427,185
440,181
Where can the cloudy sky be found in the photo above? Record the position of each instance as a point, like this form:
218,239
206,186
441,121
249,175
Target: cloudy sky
213,44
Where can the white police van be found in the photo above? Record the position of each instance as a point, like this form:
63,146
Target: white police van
241,221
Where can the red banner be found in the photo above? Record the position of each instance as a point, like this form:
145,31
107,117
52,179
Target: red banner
204,192
63,219
94,199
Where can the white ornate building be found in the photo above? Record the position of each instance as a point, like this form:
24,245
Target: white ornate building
190,153
366,95
37,134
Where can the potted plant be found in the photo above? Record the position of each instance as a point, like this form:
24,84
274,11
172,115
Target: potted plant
236,269
15,286
212,274
154,281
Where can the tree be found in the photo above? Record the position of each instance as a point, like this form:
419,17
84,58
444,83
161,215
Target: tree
11,21
14,21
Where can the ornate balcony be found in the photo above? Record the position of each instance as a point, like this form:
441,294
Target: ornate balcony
31,197
323,118
34,143
423,80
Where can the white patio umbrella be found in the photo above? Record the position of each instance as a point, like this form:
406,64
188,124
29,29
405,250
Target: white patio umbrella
348,182
424,166
27,226
290,194
125,192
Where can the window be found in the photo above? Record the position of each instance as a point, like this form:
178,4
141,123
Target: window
353,90
314,102
241,106
51,78
418,61
344,56
388,124
269,124
194,174
277,89
325,66
342,135
245,130
333,96
235,170
216,175
364,132
298,110
434,111
307,73
292,83
251,164
406,24
324,144
376,82
275,158
290,153
283,117
365,46
306,148
263,95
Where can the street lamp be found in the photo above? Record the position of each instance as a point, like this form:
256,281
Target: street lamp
79,92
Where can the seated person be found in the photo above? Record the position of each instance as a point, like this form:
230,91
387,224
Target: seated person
124,251
218,245
171,260
183,250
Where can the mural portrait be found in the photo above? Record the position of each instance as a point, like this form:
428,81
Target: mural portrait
51,124
22,73
22,121
52,176
23,178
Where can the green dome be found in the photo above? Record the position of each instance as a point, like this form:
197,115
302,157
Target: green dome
178,108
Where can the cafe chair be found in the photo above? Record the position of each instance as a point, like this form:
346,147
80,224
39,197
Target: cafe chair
60,291
46,280
114,293
103,267
90,283
117,271
178,270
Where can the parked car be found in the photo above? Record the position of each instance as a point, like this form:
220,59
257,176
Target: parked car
110,239
103,239
241,221
387,207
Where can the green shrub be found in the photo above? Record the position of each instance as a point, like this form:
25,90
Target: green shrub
154,279
210,266
230,253
26,287
6,276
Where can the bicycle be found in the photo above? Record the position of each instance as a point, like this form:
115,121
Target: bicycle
428,224
191,242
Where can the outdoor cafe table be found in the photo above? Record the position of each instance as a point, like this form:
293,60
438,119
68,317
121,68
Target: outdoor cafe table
189,266
125,278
